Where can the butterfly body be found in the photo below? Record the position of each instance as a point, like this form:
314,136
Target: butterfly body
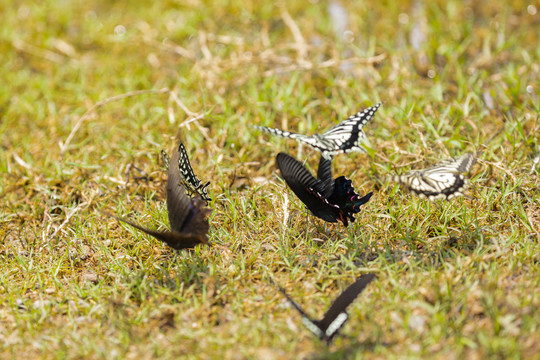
442,181
327,198
345,137
188,217
336,316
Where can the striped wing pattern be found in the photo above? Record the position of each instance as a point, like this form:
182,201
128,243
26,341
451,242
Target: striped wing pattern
190,180
442,181
345,137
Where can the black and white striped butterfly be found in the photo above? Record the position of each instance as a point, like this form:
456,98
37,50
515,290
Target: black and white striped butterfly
188,217
189,179
345,137
336,316
327,198
442,181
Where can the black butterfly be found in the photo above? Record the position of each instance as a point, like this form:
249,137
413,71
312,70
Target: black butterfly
345,137
188,217
442,181
327,198
336,316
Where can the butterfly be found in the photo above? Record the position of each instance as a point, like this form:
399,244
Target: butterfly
189,179
336,316
442,181
327,198
345,137
188,217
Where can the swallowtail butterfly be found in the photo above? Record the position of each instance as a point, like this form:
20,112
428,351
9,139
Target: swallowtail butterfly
442,181
336,316
327,198
188,217
345,137
190,180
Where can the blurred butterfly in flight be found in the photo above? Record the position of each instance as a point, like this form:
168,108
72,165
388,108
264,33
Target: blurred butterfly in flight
327,198
442,181
188,217
336,316
345,137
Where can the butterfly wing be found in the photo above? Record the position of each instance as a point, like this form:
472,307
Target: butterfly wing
197,221
336,316
324,174
347,136
174,239
308,322
283,133
308,189
187,217
165,159
442,181
190,180
179,205
435,185
462,164
466,162
346,199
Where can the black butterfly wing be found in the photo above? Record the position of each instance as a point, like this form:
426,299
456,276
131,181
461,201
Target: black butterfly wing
179,205
336,316
190,180
197,221
308,189
324,174
174,239
346,199
308,322
187,217
293,303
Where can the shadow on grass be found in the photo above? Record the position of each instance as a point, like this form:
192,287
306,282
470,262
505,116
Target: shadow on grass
428,253
351,350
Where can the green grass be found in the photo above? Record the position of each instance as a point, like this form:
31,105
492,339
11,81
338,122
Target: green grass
457,279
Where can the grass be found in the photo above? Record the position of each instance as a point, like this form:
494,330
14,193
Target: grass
456,279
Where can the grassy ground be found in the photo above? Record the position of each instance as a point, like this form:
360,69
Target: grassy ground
92,91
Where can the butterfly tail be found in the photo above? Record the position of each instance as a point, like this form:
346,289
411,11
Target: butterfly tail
174,239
